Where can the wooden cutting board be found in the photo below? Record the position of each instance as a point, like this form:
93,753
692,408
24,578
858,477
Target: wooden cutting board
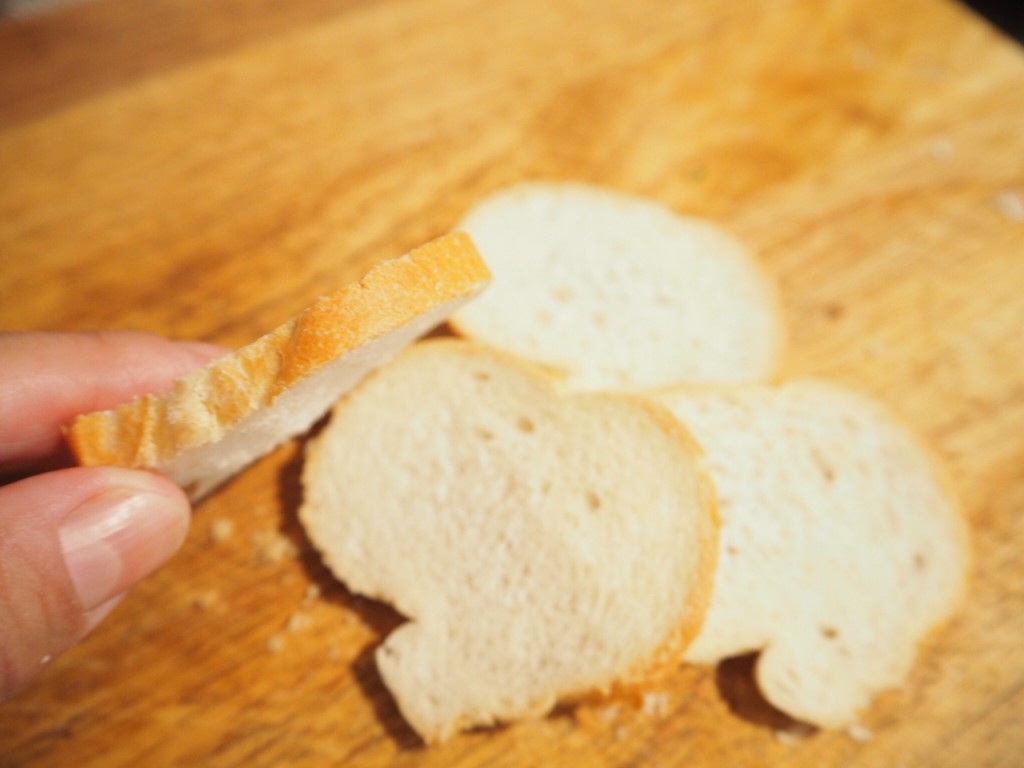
204,170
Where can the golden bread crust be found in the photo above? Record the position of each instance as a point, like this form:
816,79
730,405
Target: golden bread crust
205,405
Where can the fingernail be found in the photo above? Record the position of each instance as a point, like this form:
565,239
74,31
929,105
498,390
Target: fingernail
118,537
94,617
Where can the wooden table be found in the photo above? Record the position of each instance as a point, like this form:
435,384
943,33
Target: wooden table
205,169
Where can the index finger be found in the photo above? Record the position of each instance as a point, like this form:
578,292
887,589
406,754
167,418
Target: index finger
46,379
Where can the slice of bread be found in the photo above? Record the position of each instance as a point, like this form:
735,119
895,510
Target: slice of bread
535,558
219,419
841,547
618,292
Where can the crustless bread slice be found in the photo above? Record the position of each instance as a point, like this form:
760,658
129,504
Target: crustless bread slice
841,547
219,419
542,546
618,292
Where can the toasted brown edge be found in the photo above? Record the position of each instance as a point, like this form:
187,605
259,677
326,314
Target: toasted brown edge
149,431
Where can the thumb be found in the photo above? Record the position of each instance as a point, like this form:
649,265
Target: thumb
72,543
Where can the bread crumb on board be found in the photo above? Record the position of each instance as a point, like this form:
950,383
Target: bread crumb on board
656,704
272,547
207,601
876,350
790,736
596,718
860,733
311,596
863,59
297,622
275,643
221,529
1011,205
941,149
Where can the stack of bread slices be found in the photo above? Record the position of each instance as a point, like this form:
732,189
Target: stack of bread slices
604,479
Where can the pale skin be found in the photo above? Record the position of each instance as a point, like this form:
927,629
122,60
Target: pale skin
75,540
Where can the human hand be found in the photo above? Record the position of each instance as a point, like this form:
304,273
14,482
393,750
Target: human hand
74,540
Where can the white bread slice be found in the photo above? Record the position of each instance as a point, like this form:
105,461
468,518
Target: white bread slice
535,559
619,292
841,546
217,420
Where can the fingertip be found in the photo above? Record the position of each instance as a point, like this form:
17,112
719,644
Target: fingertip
122,534
72,542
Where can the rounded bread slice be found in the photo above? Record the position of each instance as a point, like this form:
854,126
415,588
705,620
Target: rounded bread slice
535,559
217,420
617,292
841,547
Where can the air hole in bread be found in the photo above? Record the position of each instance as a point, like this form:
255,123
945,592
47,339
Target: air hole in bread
834,310
562,295
738,687
482,376
920,561
484,434
824,466
593,501
829,633
523,424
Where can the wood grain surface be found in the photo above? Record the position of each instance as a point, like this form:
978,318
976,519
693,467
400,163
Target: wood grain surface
205,169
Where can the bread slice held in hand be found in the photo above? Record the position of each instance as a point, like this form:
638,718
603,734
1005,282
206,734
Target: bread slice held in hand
217,420
534,556
618,292
840,547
